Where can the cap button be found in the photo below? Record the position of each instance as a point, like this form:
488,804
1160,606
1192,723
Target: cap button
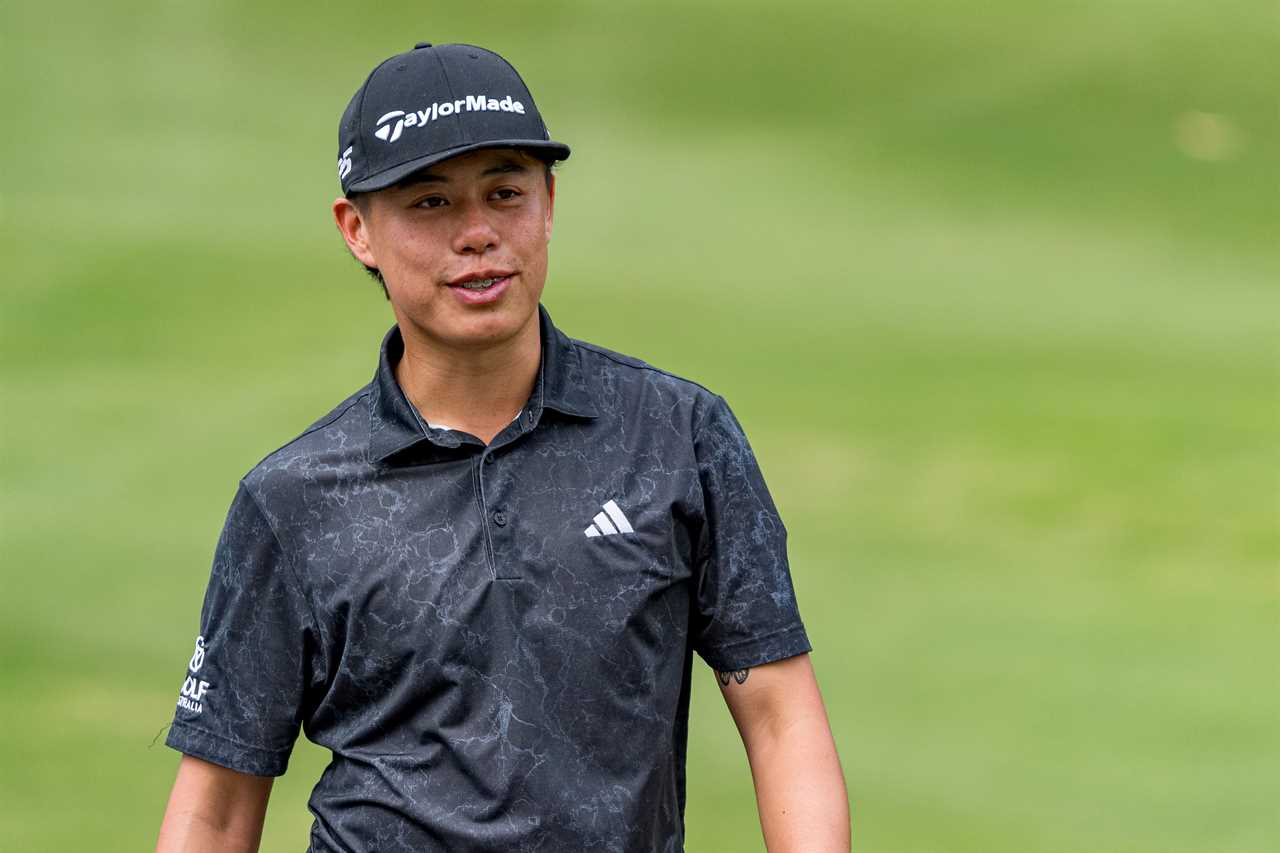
420,45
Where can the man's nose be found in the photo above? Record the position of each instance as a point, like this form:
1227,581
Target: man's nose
476,235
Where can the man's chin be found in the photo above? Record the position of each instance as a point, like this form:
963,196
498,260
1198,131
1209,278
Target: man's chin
481,328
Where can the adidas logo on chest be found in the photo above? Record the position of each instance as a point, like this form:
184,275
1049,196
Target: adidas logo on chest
610,521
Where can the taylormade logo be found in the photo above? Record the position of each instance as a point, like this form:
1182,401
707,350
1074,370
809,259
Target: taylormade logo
391,125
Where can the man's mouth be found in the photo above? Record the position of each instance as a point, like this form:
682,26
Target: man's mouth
481,283
482,287
481,279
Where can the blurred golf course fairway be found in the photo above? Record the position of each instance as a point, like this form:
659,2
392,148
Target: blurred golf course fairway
992,287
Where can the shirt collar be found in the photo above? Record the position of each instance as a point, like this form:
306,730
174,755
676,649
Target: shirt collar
561,385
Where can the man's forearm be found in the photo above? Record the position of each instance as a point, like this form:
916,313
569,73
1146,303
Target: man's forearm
800,789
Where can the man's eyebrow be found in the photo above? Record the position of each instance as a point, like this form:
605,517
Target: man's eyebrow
421,178
505,167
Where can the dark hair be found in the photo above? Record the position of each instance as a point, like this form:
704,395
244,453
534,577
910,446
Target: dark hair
358,199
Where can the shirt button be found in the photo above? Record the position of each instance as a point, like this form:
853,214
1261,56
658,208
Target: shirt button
488,460
500,518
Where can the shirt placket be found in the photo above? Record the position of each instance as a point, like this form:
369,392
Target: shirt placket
493,473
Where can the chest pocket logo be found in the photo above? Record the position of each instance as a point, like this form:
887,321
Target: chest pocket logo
610,521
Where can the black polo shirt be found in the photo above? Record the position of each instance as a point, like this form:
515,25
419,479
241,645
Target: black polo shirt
495,641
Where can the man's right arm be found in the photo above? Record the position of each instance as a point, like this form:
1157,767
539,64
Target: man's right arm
213,809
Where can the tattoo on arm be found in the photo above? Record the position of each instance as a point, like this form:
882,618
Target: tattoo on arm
738,675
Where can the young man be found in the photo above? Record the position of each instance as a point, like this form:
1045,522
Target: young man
480,580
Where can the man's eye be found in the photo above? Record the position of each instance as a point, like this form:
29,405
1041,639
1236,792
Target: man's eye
505,193
432,201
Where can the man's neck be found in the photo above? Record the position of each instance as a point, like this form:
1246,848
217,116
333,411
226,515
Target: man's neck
476,390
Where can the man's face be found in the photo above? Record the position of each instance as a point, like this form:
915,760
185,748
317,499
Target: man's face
462,245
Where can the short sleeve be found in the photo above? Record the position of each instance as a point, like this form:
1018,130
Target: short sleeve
244,695
744,610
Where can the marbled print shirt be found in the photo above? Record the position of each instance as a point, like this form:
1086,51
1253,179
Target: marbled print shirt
496,642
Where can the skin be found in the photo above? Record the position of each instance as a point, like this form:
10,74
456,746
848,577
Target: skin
214,810
800,790
469,366
473,367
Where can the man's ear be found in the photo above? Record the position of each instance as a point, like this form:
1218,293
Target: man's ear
352,223
551,204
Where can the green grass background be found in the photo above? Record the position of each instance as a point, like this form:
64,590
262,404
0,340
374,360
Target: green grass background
1002,329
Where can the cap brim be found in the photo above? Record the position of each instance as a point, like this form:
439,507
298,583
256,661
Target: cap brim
387,177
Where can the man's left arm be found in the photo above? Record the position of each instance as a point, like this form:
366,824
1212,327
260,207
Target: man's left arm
800,789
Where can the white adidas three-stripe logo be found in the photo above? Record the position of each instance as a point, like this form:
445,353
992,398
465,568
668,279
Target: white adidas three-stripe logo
609,522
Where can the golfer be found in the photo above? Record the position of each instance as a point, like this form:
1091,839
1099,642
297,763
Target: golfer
482,579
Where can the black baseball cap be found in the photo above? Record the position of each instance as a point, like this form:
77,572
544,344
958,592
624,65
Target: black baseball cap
432,103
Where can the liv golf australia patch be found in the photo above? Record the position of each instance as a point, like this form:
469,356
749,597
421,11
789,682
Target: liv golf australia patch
191,697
